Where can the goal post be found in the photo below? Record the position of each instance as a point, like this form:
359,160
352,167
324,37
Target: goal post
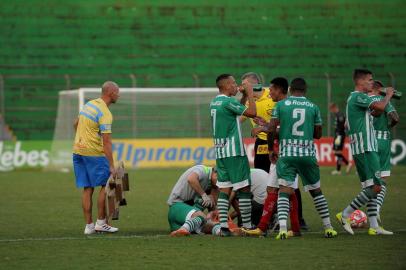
139,113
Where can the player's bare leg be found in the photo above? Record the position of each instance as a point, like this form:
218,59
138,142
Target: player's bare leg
101,204
87,204
87,209
101,225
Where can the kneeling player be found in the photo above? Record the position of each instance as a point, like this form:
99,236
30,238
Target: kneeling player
184,218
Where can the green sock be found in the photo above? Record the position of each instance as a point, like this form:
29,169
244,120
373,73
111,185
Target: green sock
372,213
321,205
362,198
283,210
222,205
244,202
381,197
192,224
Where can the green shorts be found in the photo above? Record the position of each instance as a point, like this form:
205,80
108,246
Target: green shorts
306,167
178,213
233,172
384,152
368,168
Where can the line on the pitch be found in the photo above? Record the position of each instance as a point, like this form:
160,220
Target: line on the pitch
115,237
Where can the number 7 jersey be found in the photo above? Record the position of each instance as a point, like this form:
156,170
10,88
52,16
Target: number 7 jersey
225,116
297,117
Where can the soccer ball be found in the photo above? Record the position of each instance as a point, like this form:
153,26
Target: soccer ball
358,219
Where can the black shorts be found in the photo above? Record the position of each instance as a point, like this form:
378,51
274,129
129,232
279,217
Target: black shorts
256,212
338,143
261,158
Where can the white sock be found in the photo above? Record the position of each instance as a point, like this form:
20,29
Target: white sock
90,225
101,222
373,222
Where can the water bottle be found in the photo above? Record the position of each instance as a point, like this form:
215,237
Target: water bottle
396,94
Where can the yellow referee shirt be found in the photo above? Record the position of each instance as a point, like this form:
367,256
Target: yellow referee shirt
264,109
94,119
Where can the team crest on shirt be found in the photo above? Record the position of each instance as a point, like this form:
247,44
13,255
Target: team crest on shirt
288,102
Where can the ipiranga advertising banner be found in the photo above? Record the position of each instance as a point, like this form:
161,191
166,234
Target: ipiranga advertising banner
164,153
151,153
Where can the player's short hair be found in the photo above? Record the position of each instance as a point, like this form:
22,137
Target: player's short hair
298,85
360,73
282,83
377,84
332,105
222,77
251,75
108,86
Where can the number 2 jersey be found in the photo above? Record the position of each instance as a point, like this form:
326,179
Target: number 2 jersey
225,116
297,117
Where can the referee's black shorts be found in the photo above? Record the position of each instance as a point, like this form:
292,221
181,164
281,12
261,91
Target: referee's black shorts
261,158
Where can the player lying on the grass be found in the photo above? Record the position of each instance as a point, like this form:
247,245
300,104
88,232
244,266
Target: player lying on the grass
361,109
259,182
278,92
195,190
383,125
299,123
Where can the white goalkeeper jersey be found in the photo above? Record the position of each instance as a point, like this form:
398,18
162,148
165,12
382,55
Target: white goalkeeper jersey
183,192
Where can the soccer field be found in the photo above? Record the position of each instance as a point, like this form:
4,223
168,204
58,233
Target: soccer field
42,228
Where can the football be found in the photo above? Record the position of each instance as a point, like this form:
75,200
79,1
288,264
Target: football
358,219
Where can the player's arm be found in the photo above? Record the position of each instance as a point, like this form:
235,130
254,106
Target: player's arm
108,150
76,123
272,133
105,123
318,131
247,91
378,107
244,99
193,181
234,204
393,118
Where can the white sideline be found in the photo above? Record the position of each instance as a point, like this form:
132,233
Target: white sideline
125,237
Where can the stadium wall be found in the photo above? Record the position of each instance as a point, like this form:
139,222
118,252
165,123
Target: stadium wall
48,45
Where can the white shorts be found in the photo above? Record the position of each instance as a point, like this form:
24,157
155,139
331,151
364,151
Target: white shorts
273,178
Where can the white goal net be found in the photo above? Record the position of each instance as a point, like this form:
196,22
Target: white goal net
139,113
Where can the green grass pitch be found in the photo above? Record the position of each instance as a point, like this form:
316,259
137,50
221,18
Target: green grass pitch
41,227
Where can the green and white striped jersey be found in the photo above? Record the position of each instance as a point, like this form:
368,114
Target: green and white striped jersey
225,113
382,130
297,117
360,123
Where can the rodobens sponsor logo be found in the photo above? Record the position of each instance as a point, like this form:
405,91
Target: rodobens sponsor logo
12,156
